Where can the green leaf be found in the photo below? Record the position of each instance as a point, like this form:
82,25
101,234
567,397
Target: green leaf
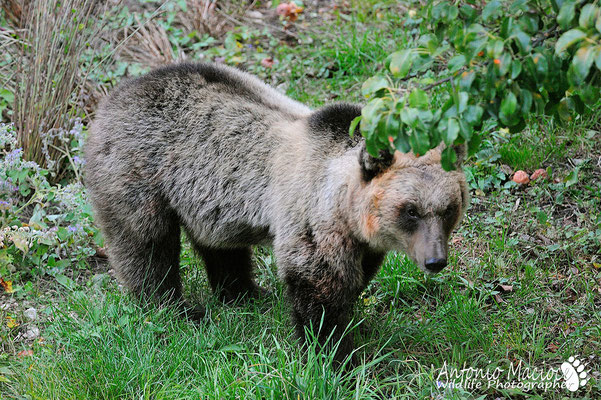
400,62
7,95
491,10
516,123
465,129
370,116
461,101
579,105
588,16
572,178
426,117
529,21
598,23
519,5
476,39
449,108
371,110
473,114
523,41
566,14
451,132
393,126
516,68
438,11
589,94
373,84
567,39
504,63
474,144
452,13
418,99
420,142
495,48
583,59
466,79
467,12
565,108
65,281
456,63
354,123
598,57
526,99
540,65
448,158
409,116
371,146
402,143
507,26
37,219
509,104
539,102
430,43
62,233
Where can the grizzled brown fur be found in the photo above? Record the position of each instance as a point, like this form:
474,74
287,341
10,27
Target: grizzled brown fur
234,163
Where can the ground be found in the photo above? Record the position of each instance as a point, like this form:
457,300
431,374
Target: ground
522,289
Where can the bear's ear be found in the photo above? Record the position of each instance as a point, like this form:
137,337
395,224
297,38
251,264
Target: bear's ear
372,166
461,151
333,121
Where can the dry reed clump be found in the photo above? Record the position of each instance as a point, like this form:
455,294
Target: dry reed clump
13,11
48,39
202,18
148,42
148,45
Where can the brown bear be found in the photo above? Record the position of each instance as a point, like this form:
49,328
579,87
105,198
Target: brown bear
233,162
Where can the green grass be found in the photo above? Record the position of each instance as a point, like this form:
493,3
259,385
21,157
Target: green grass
343,54
110,348
546,143
523,285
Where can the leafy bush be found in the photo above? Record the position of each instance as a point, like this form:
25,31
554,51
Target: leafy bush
502,62
45,228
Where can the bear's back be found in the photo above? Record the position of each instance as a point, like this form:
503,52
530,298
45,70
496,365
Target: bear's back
170,91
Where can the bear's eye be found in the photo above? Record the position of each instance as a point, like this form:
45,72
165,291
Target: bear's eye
408,217
450,211
412,212
450,217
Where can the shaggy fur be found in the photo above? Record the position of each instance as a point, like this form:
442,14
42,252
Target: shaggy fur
234,163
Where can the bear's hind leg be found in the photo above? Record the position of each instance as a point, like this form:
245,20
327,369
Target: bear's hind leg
230,273
149,266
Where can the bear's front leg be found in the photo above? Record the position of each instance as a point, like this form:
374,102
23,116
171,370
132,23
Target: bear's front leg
324,279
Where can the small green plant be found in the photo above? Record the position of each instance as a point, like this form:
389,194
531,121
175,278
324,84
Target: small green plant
45,228
504,62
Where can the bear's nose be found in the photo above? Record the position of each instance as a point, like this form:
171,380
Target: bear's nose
435,264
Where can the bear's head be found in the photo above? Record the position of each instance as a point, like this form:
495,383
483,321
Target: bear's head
411,204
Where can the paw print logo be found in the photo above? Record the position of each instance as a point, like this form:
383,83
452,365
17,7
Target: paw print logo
574,374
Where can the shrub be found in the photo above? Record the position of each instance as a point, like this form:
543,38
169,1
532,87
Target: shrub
502,61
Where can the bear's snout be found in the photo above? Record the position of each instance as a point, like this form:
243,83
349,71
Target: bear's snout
435,265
